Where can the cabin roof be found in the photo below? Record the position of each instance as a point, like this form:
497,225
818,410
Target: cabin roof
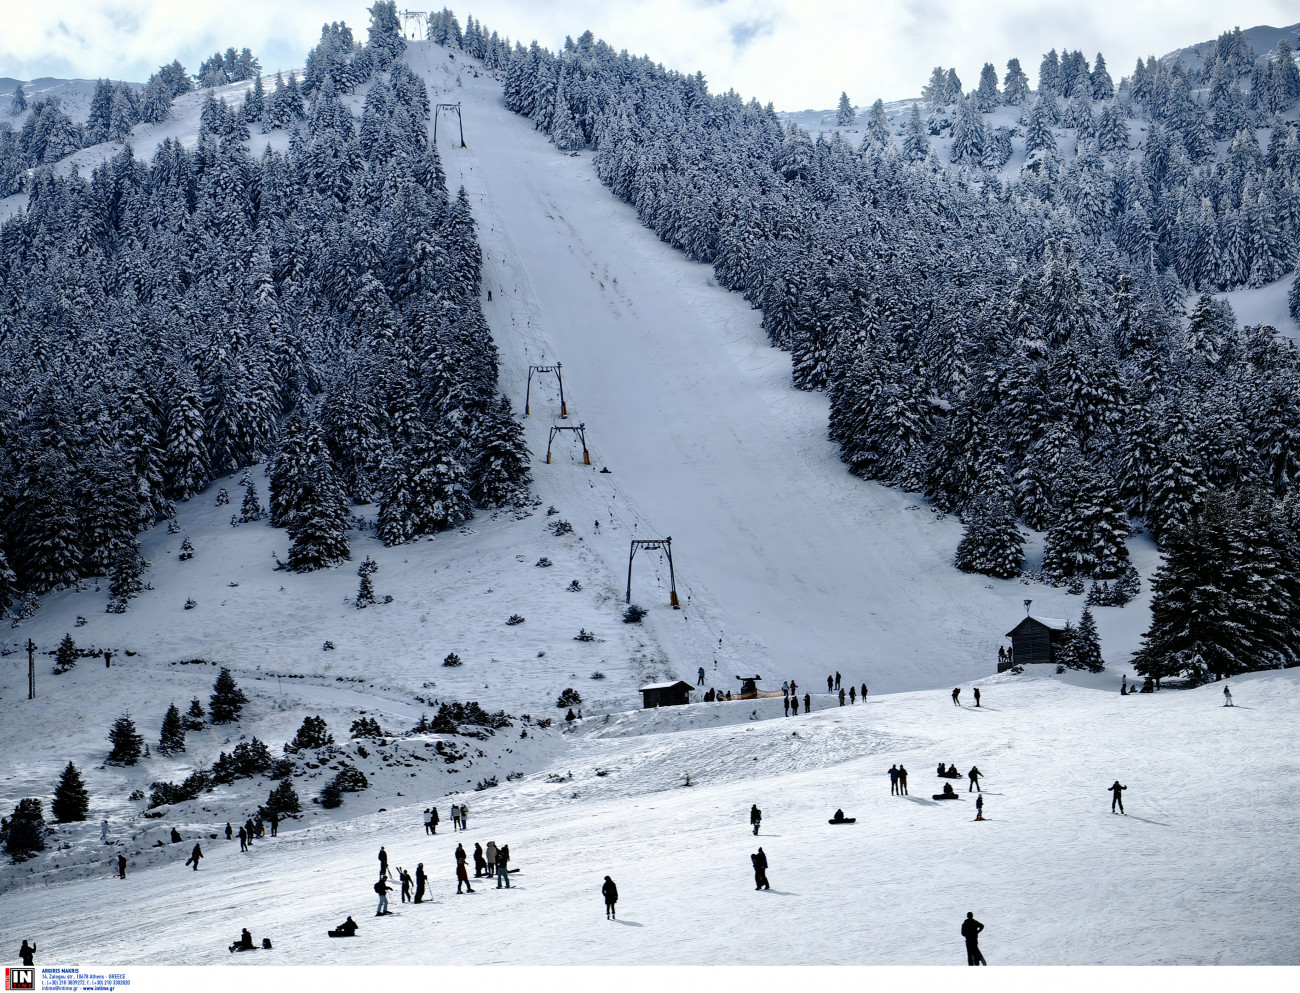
665,686
1055,623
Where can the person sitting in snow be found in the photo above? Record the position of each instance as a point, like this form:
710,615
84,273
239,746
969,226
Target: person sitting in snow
348,928
245,942
570,716
839,817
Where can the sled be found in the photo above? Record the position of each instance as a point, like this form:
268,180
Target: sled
847,820
341,934
943,796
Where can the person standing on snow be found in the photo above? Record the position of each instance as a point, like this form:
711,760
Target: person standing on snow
455,817
760,870
275,823
383,863
902,780
786,702
1227,702
830,684
383,889
755,816
794,703
610,892
955,694
837,680
433,821
491,858
195,856
700,675
864,692
243,839
229,833
853,695
28,953
979,807
464,817
103,827
121,867
462,874
807,704
421,880
970,930
841,698
1115,798
893,780
974,776
405,877
428,823
480,863
503,866
976,691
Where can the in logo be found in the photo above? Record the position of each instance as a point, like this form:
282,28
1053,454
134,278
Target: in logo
20,978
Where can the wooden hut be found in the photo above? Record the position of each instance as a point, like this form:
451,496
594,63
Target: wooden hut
666,694
1036,639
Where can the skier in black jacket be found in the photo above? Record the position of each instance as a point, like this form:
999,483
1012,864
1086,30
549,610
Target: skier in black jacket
420,880
760,870
755,816
610,892
1115,798
28,952
970,930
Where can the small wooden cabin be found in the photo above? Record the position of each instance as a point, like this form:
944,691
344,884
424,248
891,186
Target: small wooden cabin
666,694
1036,639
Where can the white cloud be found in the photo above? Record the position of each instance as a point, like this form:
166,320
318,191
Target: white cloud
797,54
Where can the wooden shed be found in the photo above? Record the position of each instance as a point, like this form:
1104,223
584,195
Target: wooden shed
1035,639
666,694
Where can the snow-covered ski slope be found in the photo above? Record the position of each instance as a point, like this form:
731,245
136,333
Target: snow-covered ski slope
1200,870
798,567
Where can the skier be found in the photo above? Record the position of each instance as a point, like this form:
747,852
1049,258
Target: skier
243,839
1115,798
433,821
103,827
462,874
455,817
228,831
841,698
405,877
902,781
760,870
977,696
464,817
893,780
121,867
974,776
807,704
970,930
383,889
428,824
491,858
979,807
28,952
480,863
853,695
610,892
701,677
195,856
275,823
383,863
420,881
1227,702
503,866
755,816
955,694
830,684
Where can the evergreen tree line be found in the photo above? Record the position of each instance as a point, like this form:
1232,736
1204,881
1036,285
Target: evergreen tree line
1018,351
168,322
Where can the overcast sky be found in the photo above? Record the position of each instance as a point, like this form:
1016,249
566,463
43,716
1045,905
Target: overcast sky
797,53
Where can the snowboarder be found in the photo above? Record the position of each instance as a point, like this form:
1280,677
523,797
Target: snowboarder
28,952
1115,798
176,837
948,793
347,929
121,867
893,780
760,870
275,823
491,858
503,866
701,677
841,698
383,889
195,856
755,816
853,695
1227,702
956,692
245,942
480,863
420,881
970,930
979,807
1123,685
610,892
830,684
807,703
405,877
383,863
243,839
464,817
103,827
228,830
428,823
839,818
455,817
974,776
977,696
902,781
462,874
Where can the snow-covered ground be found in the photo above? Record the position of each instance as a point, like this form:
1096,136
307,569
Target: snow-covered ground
786,567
